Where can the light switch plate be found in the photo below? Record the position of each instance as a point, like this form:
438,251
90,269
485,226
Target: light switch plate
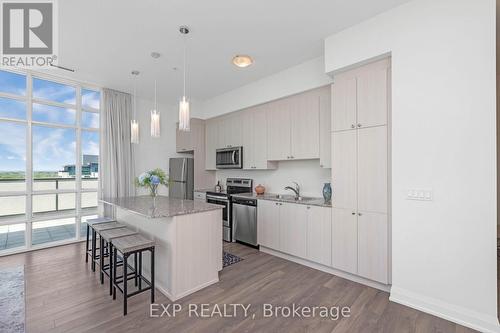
419,194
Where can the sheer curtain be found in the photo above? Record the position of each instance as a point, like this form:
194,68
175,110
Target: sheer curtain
117,164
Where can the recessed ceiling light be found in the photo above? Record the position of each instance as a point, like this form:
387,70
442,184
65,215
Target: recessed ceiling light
242,61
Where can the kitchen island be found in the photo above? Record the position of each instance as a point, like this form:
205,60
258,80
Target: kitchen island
188,236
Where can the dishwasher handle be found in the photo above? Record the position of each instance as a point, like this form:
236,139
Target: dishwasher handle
245,202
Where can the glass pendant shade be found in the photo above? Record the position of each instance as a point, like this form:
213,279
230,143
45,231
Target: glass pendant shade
184,114
155,124
134,131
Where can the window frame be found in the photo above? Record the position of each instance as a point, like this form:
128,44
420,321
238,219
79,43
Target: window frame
79,212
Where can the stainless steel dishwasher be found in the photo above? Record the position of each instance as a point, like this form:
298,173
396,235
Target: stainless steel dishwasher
245,220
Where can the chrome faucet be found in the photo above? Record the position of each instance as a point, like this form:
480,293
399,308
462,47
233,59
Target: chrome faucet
296,190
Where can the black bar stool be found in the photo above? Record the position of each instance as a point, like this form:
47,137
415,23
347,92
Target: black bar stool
107,237
96,230
136,244
90,222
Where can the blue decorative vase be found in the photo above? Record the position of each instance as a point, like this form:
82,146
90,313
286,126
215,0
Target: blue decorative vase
327,192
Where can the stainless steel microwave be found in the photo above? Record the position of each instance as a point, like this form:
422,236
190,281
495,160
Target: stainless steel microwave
229,158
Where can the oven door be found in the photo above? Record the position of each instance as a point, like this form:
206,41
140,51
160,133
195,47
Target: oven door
229,158
226,223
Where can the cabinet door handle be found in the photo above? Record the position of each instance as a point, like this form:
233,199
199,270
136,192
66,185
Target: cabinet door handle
353,213
359,125
352,126
308,207
359,214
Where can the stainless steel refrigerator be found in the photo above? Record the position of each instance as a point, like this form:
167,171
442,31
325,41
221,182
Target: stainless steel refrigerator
181,173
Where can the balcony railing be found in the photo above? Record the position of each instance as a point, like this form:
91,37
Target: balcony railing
46,202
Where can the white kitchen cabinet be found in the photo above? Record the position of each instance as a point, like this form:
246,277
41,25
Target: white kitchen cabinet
254,139
325,140
372,169
345,240
294,127
372,94
373,246
278,130
211,140
344,160
293,229
319,235
183,140
344,102
202,196
360,224
268,224
304,118
360,97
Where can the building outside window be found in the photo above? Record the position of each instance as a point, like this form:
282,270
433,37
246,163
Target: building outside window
49,160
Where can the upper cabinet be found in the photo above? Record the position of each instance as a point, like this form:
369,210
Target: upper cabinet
294,127
360,97
344,102
291,128
229,132
254,138
325,142
211,137
184,141
278,130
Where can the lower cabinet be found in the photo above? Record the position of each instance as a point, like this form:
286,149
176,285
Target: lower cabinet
299,230
360,243
268,224
293,229
319,235
348,240
372,246
345,240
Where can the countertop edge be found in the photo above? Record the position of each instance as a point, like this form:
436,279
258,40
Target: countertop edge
319,202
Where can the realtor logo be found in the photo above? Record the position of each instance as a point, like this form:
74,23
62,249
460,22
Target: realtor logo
29,33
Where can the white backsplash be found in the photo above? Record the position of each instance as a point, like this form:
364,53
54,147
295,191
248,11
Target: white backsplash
310,176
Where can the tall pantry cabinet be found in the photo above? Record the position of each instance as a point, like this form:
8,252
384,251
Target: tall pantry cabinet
360,154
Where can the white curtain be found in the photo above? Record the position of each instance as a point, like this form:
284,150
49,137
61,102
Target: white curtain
117,163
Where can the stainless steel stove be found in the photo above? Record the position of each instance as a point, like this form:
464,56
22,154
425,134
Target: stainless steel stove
233,186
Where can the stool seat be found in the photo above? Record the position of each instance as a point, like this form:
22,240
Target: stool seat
111,234
107,226
100,220
132,243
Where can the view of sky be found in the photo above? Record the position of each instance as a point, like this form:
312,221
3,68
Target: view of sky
52,147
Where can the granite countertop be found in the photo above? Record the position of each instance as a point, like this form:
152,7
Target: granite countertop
161,207
310,201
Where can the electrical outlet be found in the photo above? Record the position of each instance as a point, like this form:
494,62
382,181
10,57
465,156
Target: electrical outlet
419,194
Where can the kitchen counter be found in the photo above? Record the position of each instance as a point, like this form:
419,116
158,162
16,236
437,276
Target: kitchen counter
161,207
310,201
187,235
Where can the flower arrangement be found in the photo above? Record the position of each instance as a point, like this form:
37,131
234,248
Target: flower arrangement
151,180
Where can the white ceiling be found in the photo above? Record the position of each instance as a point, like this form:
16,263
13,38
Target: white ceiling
104,40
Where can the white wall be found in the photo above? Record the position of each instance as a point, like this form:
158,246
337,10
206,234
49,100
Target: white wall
443,134
305,76
310,176
153,153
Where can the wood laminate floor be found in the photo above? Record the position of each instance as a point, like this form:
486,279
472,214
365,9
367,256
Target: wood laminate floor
64,295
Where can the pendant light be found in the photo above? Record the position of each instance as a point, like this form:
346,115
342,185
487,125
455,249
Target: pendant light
134,125
155,113
184,102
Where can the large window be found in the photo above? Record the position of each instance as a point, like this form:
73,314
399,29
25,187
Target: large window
49,160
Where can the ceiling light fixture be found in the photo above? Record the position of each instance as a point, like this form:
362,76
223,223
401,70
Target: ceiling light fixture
155,113
184,103
134,125
242,61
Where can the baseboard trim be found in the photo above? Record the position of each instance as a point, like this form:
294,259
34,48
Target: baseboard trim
459,315
174,298
327,269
